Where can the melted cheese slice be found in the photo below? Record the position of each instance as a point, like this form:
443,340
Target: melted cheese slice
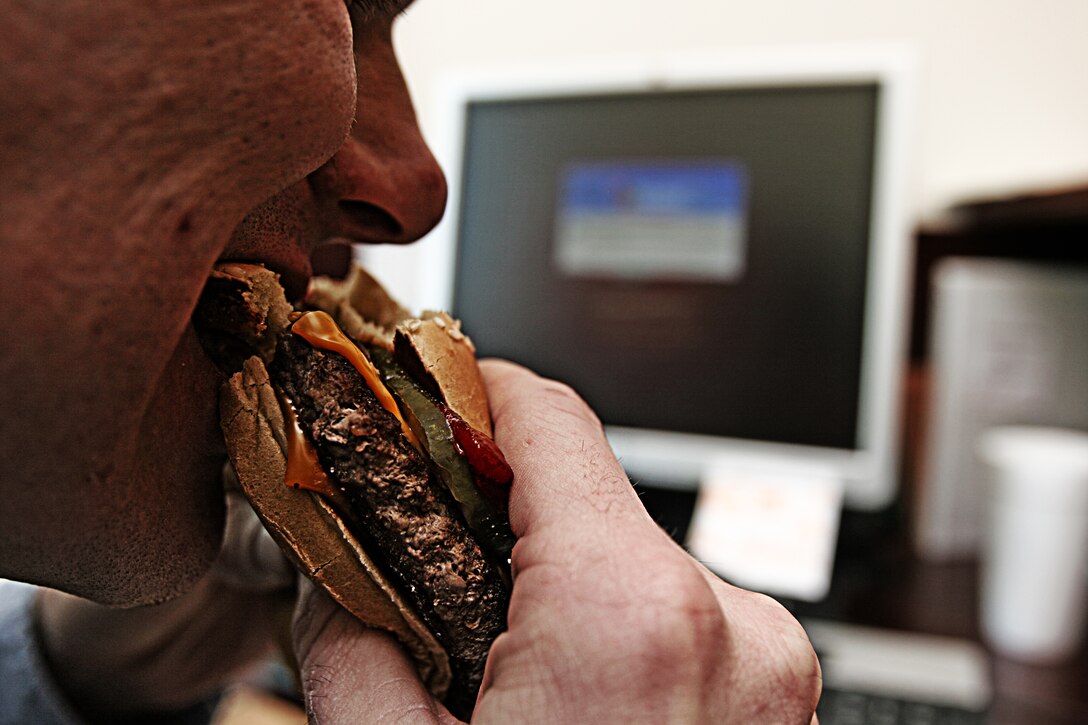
320,330
303,468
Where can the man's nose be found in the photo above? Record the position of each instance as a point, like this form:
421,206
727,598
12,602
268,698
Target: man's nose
383,185
380,195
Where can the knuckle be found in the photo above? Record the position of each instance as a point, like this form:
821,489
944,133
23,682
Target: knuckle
792,663
677,626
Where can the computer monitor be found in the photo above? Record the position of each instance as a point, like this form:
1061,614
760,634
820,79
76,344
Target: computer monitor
710,250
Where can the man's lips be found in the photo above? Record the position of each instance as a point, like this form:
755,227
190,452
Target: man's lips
292,265
295,268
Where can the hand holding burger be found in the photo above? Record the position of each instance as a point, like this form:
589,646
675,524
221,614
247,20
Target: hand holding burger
609,620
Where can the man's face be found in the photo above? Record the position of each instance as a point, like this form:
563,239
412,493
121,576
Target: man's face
148,141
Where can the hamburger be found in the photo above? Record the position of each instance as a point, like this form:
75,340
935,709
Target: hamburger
361,435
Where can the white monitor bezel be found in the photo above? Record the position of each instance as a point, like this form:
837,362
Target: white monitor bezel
869,472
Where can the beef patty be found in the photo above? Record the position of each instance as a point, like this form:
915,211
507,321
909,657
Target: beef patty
399,509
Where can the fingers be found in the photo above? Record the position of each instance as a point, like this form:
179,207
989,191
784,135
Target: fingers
351,673
566,474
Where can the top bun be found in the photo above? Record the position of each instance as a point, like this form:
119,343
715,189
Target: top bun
361,306
448,357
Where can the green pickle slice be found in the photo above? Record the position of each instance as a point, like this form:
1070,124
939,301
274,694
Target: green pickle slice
430,426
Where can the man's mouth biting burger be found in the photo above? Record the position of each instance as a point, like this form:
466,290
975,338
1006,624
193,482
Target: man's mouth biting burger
361,436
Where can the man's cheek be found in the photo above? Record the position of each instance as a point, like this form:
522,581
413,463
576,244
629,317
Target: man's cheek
282,87
197,382
178,476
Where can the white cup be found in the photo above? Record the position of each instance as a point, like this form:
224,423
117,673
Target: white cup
1035,562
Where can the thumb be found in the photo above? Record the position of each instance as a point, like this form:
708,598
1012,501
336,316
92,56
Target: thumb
570,490
351,673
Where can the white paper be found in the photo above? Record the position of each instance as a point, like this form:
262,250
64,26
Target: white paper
772,532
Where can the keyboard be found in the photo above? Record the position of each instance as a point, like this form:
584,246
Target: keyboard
881,677
838,707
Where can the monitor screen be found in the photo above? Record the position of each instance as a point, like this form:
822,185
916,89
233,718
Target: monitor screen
689,260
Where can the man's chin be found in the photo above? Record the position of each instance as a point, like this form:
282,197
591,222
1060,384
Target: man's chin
160,572
134,565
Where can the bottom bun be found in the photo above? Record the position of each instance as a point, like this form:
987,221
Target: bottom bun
307,529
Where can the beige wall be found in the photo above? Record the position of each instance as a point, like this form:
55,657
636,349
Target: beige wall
1003,84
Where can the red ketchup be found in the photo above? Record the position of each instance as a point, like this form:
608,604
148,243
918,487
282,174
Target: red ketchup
489,467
